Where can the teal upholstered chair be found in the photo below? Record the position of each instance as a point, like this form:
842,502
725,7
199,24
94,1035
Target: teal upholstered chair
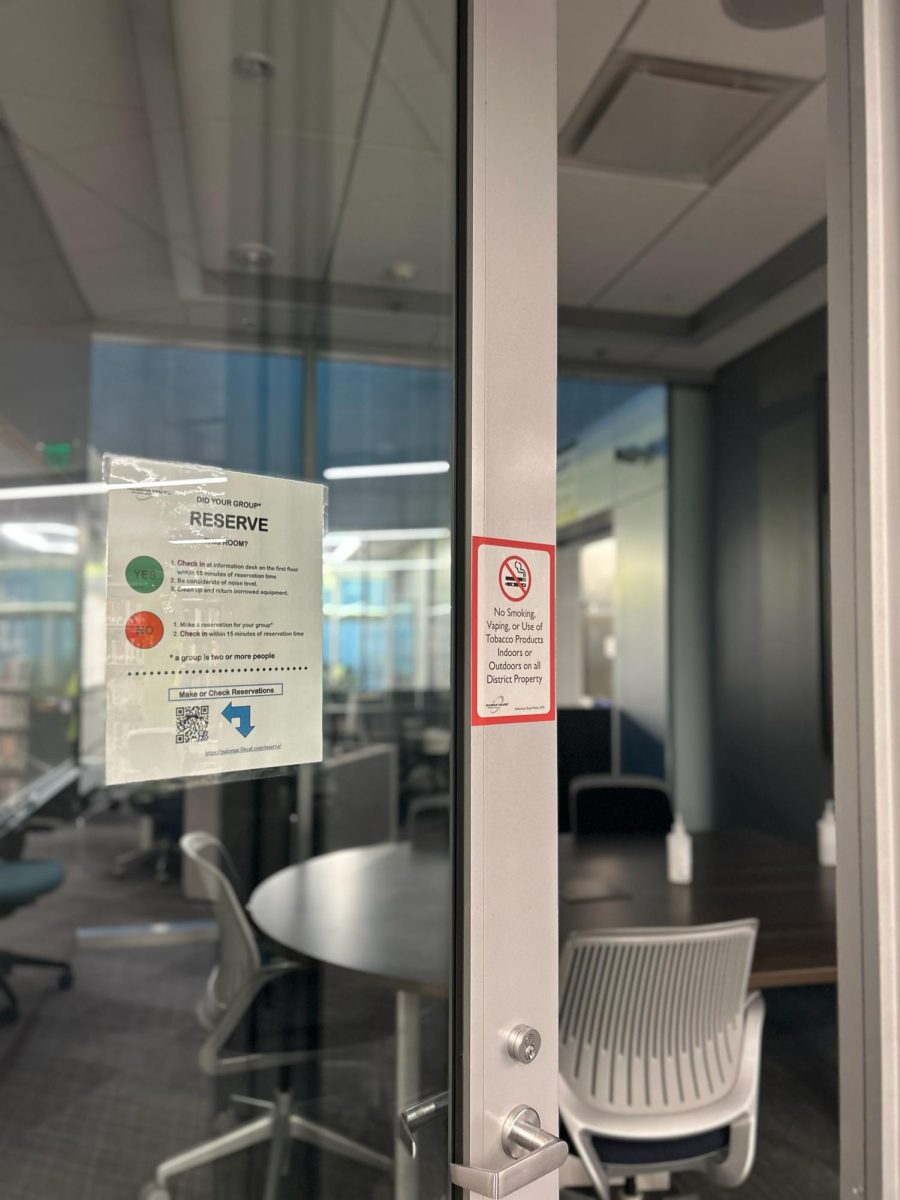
21,883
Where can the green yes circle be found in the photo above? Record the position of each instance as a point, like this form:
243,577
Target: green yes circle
144,573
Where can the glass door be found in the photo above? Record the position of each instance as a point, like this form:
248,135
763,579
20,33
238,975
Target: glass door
227,369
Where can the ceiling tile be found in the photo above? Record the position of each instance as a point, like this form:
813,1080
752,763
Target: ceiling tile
723,237
429,98
586,33
250,320
605,220
399,209
64,50
365,18
25,235
792,158
125,279
384,172
40,292
295,212
377,233
122,175
410,48
51,125
7,154
598,347
699,31
789,306
83,219
345,328
321,66
391,120
438,18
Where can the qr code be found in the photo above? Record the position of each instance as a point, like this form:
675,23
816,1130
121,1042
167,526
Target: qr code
192,724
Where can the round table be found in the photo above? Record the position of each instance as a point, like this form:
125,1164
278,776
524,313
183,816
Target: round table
382,911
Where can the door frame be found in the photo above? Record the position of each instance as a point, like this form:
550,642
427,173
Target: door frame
506,939
506,379
864,427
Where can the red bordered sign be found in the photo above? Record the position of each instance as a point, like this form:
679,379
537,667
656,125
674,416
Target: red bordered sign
513,631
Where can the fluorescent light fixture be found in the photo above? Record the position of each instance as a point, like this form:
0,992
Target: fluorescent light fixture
386,535
53,491
392,564
383,470
345,548
46,537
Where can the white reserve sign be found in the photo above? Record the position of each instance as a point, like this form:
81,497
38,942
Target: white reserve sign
214,621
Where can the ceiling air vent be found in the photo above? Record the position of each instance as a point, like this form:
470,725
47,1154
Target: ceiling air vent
681,120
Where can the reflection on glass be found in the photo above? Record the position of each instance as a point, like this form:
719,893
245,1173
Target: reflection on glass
227,240
612,518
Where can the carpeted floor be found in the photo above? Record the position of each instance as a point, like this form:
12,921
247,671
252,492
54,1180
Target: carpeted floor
99,1083
797,1156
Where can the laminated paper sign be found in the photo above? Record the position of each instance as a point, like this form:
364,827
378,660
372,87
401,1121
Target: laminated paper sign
214,621
514,631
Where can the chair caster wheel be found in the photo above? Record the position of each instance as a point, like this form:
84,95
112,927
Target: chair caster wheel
65,981
155,1191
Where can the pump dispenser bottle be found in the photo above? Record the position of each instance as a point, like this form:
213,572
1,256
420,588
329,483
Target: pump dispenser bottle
827,836
679,853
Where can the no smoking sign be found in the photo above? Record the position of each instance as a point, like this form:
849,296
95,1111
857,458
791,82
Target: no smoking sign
515,578
514,631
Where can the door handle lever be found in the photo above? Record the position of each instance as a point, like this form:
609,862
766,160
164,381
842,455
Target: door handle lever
534,1152
411,1119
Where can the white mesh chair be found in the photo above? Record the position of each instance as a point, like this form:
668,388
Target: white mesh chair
235,983
660,1052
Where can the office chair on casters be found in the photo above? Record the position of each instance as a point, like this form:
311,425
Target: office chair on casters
619,805
660,1053
235,983
22,883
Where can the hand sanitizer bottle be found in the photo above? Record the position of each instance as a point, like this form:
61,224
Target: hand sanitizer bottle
827,834
679,856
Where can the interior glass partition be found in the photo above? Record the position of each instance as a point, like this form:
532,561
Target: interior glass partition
701,148
227,238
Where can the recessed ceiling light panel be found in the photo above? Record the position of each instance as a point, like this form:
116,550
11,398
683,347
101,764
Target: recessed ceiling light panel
680,120
253,64
252,256
403,272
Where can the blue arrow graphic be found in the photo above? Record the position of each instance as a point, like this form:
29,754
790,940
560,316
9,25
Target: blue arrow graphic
242,713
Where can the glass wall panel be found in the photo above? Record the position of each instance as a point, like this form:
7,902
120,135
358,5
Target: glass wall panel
226,240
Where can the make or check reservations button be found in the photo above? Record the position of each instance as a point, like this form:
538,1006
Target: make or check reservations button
144,574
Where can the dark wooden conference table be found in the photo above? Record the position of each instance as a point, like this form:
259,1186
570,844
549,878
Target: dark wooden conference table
384,911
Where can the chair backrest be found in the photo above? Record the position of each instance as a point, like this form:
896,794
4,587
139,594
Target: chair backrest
619,804
428,822
652,1020
239,957
584,747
